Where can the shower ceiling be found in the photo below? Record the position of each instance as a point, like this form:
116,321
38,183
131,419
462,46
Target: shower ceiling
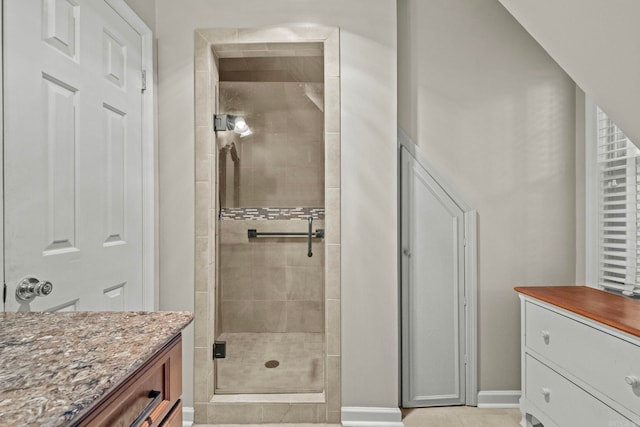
271,62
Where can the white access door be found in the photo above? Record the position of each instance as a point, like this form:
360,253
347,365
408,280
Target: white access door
73,154
433,365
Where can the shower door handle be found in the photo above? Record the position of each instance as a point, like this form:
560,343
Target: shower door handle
309,253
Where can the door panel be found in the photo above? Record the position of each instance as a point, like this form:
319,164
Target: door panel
73,154
432,291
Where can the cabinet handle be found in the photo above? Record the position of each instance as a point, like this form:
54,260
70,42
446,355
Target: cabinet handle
144,416
546,393
632,380
545,336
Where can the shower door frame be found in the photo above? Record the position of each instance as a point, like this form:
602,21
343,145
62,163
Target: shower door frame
210,407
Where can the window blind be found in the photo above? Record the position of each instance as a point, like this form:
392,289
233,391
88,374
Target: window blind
619,213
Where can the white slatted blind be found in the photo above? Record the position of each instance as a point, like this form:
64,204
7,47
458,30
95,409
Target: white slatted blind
619,213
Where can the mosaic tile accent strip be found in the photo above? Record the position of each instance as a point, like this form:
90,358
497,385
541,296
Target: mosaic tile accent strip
271,213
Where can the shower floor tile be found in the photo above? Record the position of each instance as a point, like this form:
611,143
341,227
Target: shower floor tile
300,358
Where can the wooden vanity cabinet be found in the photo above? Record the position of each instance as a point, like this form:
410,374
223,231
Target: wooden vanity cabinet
138,394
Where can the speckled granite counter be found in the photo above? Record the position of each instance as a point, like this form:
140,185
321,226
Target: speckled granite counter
56,366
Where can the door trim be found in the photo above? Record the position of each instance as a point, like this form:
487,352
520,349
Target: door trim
149,157
470,269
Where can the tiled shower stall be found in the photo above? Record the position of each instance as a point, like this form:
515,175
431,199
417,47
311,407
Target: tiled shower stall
276,308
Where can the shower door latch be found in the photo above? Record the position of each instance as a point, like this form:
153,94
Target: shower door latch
220,350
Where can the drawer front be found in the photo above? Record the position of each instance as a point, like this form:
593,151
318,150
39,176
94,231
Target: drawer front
601,360
163,373
174,419
564,402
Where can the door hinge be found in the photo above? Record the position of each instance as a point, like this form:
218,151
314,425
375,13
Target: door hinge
220,350
144,80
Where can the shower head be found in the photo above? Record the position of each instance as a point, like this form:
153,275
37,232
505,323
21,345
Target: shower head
224,122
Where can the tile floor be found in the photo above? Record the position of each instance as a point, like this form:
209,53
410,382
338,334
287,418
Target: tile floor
266,425
460,416
299,355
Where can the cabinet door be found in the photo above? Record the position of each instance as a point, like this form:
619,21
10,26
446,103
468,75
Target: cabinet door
433,368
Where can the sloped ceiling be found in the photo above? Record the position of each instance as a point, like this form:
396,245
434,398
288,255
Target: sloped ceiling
597,42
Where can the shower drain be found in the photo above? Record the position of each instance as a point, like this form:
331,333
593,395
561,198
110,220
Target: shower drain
272,364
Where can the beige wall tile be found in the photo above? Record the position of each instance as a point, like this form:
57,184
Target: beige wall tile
322,413
266,253
202,209
268,316
332,54
333,327
201,54
201,313
202,264
235,254
332,160
289,413
305,283
219,35
200,362
203,108
304,316
296,253
283,161
235,413
333,384
270,284
333,417
234,232
236,282
333,344
332,272
333,215
200,413
202,159
237,316
332,104
284,34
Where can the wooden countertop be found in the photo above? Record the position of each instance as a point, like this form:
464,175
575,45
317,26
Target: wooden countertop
612,310
55,367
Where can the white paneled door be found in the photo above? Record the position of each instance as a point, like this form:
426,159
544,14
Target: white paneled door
433,311
73,156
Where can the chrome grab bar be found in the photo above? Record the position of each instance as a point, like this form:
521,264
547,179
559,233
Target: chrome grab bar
319,233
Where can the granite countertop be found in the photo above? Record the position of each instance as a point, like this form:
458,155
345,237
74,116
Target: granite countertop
55,366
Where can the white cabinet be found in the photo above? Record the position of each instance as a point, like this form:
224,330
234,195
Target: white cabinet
577,371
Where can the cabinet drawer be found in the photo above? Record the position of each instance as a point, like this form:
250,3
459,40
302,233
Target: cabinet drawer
601,360
163,374
564,402
174,419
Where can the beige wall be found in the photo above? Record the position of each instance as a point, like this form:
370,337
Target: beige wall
369,176
146,10
495,115
576,33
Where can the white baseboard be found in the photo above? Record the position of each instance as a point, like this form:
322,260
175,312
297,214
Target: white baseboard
506,399
371,417
187,416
